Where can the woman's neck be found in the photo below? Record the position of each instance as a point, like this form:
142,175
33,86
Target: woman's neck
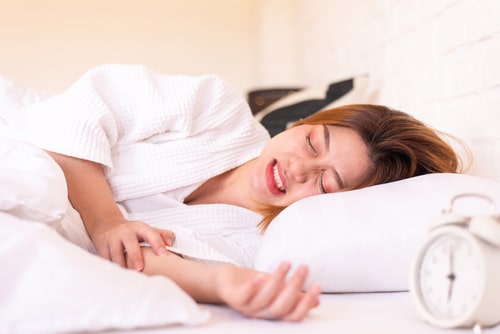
230,187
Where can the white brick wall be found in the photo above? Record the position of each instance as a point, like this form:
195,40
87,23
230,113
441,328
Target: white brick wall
436,59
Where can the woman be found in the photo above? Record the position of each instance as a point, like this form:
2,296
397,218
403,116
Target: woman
131,142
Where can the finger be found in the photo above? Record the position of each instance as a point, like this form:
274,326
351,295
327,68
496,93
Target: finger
154,238
309,300
271,288
117,253
103,251
167,236
245,294
134,254
247,291
287,298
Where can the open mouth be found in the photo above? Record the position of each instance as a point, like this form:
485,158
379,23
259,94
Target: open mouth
277,178
274,178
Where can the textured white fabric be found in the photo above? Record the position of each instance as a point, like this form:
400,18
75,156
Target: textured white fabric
154,132
211,233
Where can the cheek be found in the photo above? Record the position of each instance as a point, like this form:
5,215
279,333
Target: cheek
257,176
298,193
284,143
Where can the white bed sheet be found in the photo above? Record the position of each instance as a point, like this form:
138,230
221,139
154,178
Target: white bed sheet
358,313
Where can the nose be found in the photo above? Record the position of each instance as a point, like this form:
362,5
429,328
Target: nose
300,170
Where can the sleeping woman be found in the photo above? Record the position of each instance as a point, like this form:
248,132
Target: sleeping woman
135,144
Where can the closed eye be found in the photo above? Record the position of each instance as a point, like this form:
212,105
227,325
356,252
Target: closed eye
321,185
310,145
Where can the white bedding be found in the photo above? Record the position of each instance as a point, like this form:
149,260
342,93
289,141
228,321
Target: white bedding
359,313
69,290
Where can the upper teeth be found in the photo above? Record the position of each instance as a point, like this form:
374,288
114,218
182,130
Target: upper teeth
277,178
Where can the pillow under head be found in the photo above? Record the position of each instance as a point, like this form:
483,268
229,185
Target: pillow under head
365,240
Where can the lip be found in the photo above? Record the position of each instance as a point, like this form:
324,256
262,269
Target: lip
271,183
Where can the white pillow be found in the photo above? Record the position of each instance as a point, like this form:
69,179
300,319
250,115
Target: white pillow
32,185
365,240
52,286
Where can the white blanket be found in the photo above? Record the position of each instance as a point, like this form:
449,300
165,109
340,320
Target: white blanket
48,285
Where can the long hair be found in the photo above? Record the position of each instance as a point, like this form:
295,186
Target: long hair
399,146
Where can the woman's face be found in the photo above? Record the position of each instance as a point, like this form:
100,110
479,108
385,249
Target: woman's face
308,160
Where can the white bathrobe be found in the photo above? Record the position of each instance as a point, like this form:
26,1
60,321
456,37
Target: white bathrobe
159,136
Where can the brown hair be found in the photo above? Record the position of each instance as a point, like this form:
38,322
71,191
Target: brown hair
399,145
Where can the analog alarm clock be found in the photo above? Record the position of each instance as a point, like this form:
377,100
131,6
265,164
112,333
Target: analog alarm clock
455,278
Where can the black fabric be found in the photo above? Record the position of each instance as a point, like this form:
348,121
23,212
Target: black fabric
277,120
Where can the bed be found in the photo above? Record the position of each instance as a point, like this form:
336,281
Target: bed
52,286
339,313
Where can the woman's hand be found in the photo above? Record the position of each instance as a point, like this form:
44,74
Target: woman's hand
267,296
124,237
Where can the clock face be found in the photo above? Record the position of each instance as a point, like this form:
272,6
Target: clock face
450,277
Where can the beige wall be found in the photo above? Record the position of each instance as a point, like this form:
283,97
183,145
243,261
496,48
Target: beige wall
277,39
47,44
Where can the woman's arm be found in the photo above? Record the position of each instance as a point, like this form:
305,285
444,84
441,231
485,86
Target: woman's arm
252,293
90,195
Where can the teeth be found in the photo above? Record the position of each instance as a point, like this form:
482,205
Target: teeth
277,178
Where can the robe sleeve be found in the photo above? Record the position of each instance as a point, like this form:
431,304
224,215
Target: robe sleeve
114,105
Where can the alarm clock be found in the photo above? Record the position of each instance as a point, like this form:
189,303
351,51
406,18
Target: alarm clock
455,278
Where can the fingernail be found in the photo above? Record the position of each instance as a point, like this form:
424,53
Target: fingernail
162,251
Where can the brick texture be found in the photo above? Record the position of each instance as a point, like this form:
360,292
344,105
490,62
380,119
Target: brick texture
438,60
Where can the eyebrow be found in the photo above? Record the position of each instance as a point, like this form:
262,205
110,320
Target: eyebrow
326,133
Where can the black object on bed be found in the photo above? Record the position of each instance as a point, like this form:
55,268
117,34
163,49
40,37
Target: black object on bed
278,120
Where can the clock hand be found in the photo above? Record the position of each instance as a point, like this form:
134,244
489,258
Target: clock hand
451,276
